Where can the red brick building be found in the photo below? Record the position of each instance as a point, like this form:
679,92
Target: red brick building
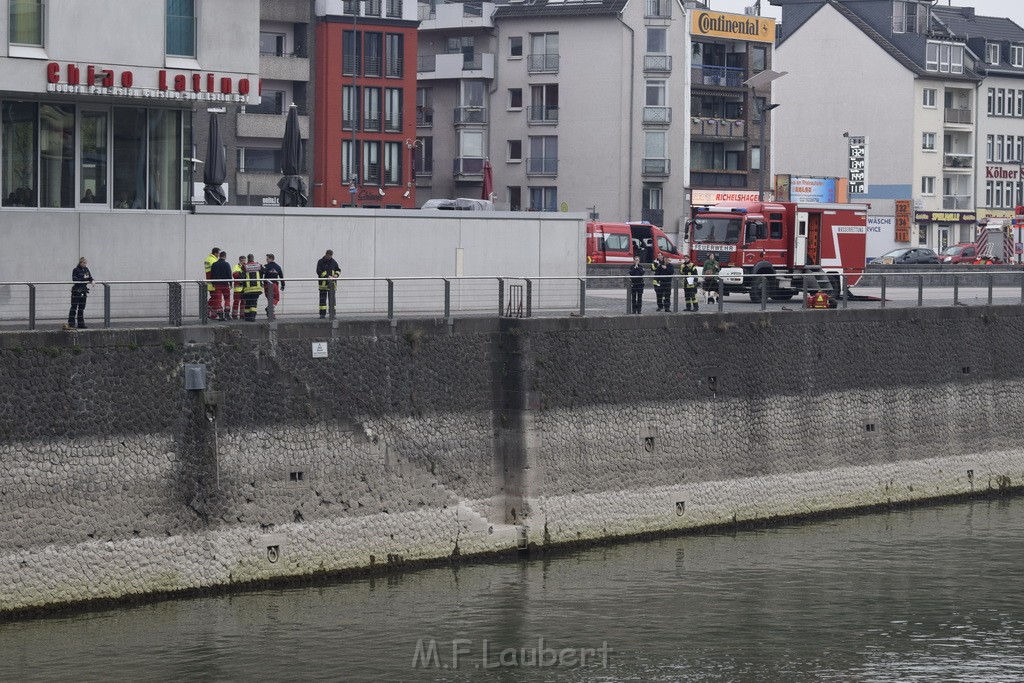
365,103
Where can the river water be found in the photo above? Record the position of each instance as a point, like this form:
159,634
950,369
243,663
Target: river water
926,594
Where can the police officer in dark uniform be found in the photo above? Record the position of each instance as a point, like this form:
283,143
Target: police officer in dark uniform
663,272
636,286
79,293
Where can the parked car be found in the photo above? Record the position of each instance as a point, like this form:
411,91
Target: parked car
903,257
965,252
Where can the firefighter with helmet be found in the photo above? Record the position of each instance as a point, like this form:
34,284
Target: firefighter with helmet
689,272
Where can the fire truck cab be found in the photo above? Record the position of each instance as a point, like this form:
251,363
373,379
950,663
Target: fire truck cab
790,245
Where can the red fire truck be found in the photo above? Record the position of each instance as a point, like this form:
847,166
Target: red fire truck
620,242
793,244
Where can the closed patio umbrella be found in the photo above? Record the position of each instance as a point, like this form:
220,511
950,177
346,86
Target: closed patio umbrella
488,187
292,186
216,169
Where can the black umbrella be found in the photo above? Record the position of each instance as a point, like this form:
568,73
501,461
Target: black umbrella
292,186
216,169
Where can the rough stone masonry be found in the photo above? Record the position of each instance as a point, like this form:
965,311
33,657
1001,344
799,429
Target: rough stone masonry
427,440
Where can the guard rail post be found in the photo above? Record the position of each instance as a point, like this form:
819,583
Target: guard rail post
721,294
174,304
391,299
956,290
268,290
803,291
882,297
204,317
529,297
106,304
920,291
583,296
501,297
332,299
629,296
844,292
990,289
32,306
447,298
763,284
675,293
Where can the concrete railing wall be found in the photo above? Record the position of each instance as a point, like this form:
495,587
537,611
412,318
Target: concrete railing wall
427,441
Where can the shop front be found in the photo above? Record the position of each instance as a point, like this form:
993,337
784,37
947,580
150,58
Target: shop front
940,229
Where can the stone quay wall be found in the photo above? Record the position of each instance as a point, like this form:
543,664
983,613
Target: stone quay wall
425,440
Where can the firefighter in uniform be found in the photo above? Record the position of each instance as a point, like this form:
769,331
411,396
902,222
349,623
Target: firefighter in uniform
664,271
236,300
252,286
328,271
208,262
689,272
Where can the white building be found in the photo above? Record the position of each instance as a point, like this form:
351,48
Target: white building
96,98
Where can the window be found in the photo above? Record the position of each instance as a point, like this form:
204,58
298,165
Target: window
755,158
423,156
1017,55
515,198
271,102
909,17
26,22
393,110
928,142
758,58
394,50
999,148
989,144
1000,101
928,185
348,163
543,159
349,107
928,97
544,103
944,57
515,99
372,57
775,226
350,49
992,53
424,107
181,28
543,199
471,144
1020,103
657,42
1009,148
473,94
19,151
991,101
254,160
1009,102
394,8
393,163
371,109
271,44
543,53
655,94
371,163
514,153
515,47
459,46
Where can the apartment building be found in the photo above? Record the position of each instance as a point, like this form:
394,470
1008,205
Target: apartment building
95,118
904,80
365,85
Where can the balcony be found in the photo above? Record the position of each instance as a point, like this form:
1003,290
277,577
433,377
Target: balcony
658,116
957,202
722,76
468,167
424,117
542,64
957,162
720,178
470,115
959,116
457,65
267,126
542,114
542,166
284,67
717,128
658,64
259,183
447,16
656,168
423,168
653,216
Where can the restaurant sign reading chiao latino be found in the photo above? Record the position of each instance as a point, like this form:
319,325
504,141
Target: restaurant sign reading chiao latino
97,80
734,26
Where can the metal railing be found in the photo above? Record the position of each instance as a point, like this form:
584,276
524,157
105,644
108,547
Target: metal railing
156,303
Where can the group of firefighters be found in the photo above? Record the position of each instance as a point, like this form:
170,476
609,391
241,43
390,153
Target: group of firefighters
234,291
662,281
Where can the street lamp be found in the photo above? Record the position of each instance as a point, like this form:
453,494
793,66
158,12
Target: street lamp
411,145
762,81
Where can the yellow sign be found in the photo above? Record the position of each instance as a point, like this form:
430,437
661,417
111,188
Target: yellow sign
564,206
735,26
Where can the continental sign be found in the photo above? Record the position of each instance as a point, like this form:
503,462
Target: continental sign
735,26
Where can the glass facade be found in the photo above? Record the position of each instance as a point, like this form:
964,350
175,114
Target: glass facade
59,155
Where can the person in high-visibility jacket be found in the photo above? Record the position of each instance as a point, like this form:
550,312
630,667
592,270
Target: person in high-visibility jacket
208,262
252,285
327,271
237,294
689,271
